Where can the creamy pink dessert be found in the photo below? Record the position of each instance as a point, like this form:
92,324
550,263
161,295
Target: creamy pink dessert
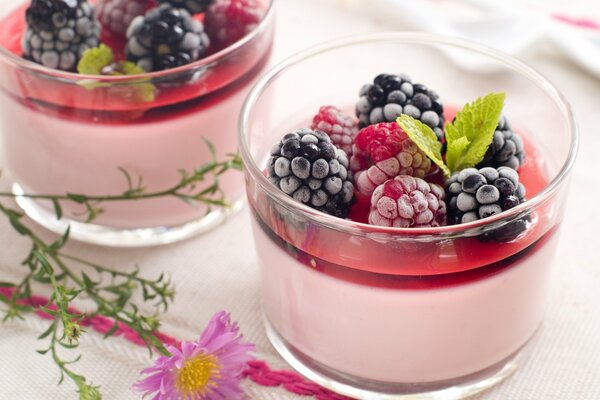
62,134
375,306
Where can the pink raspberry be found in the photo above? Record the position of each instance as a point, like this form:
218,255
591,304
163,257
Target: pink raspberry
408,202
116,15
341,127
384,151
227,21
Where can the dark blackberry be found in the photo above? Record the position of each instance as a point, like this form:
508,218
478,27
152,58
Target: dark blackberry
476,194
307,166
391,95
59,32
166,37
193,6
507,148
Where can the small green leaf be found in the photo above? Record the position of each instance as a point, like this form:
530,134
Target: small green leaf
57,209
425,138
7,284
472,132
95,60
77,198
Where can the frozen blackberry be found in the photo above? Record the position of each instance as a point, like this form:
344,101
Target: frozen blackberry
116,15
307,166
166,37
391,95
507,148
59,32
193,6
480,193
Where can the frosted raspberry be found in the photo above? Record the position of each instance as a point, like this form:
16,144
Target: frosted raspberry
341,127
384,151
408,202
228,21
116,15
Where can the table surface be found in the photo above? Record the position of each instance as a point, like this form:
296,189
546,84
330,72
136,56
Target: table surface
565,361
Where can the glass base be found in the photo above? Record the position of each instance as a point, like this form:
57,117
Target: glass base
361,388
118,237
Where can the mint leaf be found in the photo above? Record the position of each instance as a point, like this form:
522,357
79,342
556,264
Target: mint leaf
472,132
95,60
101,61
424,137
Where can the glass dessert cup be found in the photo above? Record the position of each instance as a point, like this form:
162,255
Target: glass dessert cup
390,313
64,133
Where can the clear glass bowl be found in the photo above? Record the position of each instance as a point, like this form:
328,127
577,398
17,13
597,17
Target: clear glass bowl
390,313
68,133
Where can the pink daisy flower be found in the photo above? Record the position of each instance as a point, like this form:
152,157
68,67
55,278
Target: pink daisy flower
209,368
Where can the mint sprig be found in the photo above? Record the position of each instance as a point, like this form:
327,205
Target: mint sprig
468,137
425,138
472,132
101,61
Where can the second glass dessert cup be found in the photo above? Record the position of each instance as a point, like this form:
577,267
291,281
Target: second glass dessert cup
390,313
69,133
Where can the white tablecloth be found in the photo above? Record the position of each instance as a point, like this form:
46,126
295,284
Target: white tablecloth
209,276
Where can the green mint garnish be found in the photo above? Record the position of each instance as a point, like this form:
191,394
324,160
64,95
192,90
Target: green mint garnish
101,61
467,138
472,132
425,138
95,60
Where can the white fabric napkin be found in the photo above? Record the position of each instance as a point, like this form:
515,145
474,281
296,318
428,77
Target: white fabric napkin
506,25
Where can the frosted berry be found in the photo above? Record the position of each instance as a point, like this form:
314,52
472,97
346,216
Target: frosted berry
307,166
506,150
384,151
475,194
59,32
391,95
116,15
408,202
192,6
227,21
341,127
165,37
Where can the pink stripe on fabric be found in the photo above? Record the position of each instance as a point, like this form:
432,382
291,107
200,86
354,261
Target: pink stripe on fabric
580,22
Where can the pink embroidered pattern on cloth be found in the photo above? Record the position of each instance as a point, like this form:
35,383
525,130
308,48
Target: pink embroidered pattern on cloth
258,371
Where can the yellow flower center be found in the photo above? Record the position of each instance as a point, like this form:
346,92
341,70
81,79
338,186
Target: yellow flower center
198,374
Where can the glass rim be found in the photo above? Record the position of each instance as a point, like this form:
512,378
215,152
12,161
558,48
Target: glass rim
212,59
428,39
